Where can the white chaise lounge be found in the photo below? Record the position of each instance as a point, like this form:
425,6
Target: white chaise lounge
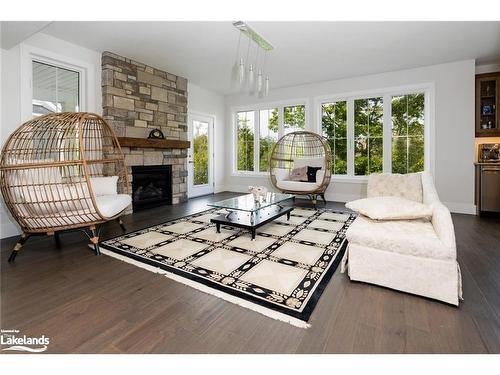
414,256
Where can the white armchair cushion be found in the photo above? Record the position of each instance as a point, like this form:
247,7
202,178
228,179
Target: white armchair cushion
407,186
111,205
281,174
408,237
390,208
104,185
298,186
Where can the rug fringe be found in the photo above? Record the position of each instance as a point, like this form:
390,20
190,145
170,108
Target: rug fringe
205,289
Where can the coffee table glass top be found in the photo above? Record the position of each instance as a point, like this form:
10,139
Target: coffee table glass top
247,203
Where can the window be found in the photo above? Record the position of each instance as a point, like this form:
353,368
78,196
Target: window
368,136
258,130
55,89
200,152
408,133
245,139
376,133
268,136
294,118
334,128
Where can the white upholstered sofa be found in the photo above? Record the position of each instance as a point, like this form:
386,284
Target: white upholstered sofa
414,256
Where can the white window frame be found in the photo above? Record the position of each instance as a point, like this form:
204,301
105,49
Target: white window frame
427,89
256,108
29,54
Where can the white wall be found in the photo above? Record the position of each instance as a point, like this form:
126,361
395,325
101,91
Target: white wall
13,77
452,115
206,102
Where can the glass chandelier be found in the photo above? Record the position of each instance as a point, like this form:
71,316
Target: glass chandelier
249,74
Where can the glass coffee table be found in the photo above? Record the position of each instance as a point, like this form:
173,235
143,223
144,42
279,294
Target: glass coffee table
244,212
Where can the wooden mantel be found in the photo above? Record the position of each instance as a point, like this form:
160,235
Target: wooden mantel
152,143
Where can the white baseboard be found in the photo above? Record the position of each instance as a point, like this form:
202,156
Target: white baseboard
461,208
9,229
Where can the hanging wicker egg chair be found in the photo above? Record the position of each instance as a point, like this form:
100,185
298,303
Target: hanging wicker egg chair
295,154
53,176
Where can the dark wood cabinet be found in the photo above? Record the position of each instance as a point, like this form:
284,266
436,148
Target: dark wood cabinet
488,105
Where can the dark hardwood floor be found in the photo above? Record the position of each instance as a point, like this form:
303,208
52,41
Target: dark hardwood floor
90,304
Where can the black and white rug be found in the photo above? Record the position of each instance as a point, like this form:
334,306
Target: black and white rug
281,274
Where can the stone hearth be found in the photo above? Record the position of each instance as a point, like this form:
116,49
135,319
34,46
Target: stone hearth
138,98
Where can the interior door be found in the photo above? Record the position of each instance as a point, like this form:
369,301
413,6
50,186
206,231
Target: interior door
200,155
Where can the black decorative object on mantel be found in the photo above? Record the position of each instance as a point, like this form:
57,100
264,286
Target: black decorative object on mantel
156,134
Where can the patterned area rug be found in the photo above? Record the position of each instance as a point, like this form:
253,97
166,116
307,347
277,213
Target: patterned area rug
281,274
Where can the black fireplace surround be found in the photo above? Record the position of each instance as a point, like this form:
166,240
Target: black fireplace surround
151,186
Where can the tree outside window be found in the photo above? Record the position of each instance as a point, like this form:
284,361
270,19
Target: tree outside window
200,153
245,148
294,118
408,133
334,126
268,136
368,136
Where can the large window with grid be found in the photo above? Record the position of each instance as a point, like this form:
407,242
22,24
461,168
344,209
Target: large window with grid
258,130
376,133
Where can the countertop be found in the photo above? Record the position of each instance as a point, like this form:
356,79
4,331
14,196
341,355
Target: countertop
495,163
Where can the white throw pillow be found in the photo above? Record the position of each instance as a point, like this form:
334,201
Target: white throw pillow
390,208
104,185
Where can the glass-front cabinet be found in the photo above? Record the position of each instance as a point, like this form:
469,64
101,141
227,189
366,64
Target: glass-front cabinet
487,104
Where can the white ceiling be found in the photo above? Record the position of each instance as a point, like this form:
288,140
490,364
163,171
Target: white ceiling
13,33
305,52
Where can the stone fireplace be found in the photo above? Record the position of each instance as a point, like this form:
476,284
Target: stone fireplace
138,98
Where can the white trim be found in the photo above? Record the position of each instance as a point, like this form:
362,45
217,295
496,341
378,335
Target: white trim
350,137
387,134
29,53
208,290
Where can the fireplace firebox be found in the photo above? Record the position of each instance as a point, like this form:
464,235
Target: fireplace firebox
151,186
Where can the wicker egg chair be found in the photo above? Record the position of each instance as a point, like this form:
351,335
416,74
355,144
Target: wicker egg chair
296,150
52,173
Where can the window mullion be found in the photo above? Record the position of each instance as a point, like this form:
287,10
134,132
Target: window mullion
387,134
256,143
57,94
280,121
350,137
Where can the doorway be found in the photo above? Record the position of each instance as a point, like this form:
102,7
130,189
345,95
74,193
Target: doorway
200,155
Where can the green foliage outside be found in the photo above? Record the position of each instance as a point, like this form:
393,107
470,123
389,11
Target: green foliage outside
245,142
334,123
368,136
408,133
267,143
294,117
200,159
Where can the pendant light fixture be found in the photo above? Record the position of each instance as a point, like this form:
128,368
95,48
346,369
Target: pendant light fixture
245,71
